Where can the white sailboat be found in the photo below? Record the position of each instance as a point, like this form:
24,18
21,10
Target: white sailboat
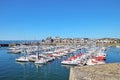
23,58
94,62
39,60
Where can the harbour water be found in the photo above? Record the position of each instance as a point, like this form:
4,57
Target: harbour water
113,55
12,70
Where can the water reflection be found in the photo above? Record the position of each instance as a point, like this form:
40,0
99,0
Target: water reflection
22,63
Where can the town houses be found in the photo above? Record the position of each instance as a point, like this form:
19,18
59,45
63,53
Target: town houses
77,41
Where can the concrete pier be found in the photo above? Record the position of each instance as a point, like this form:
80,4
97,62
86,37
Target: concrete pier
97,72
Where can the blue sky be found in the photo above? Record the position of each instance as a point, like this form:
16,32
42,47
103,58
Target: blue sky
37,19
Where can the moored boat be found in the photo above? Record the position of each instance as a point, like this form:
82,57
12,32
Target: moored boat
22,59
40,61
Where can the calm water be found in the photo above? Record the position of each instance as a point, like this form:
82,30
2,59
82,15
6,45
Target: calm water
10,70
113,55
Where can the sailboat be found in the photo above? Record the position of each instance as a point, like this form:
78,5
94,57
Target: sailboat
39,60
23,58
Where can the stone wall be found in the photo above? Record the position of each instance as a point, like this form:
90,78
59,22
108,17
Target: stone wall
97,72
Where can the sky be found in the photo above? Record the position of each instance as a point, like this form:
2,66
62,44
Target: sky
37,19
